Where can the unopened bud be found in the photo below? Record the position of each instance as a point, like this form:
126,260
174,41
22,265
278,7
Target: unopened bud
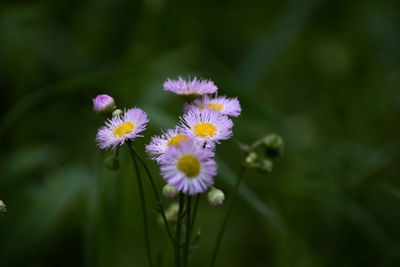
169,191
104,104
171,214
274,145
2,206
112,163
117,112
266,164
251,157
215,197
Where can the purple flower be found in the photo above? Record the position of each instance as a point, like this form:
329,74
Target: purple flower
122,128
160,144
224,105
206,126
103,104
189,168
191,88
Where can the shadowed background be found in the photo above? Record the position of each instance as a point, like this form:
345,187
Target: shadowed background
322,74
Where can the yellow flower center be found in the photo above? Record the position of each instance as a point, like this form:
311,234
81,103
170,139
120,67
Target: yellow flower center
189,165
213,106
124,129
204,129
175,140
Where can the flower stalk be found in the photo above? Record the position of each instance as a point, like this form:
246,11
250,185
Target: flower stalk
178,231
188,230
143,204
196,206
155,191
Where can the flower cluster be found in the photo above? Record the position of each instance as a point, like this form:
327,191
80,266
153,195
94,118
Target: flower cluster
185,153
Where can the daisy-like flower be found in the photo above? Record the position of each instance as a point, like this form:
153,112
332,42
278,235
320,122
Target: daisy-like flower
206,126
189,168
160,144
190,89
122,128
224,105
103,104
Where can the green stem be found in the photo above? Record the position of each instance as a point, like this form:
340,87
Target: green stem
116,153
226,217
158,199
188,230
178,231
196,205
143,203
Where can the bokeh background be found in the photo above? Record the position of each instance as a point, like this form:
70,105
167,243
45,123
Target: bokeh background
322,74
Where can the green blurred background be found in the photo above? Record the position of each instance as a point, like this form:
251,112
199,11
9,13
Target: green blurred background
322,74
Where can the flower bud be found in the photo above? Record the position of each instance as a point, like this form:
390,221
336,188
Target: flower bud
274,145
169,191
112,163
215,197
171,214
266,165
117,112
103,104
251,157
2,206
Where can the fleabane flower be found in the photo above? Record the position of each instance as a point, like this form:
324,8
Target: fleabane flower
103,104
160,144
190,89
207,126
122,128
189,168
224,105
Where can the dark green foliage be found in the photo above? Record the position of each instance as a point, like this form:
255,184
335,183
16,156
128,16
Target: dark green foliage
324,75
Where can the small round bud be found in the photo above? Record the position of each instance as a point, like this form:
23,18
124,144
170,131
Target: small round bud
171,214
266,164
2,206
169,191
251,157
215,197
274,145
112,163
104,104
117,112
